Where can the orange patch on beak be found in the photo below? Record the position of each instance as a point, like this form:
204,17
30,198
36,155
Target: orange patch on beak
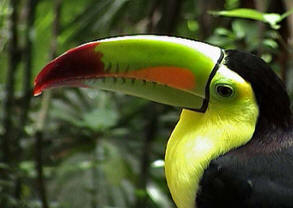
171,76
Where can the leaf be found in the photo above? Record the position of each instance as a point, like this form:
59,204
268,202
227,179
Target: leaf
270,43
223,31
192,25
267,57
156,194
4,166
273,20
239,29
242,13
28,167
270,18
286,14
100,119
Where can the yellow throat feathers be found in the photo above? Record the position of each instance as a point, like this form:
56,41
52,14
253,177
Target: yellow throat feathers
201,137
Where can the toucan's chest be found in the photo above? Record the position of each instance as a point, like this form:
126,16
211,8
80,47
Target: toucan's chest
196,140
260,180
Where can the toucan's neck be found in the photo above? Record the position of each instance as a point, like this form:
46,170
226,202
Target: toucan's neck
276,117
197,139
269,136
274,128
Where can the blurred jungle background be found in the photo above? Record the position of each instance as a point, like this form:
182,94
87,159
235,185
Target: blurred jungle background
73,148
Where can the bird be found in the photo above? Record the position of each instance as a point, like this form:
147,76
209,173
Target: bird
233,143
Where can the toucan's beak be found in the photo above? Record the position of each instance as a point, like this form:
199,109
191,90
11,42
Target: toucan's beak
167,70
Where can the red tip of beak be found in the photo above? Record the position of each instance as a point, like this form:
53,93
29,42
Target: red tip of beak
69,68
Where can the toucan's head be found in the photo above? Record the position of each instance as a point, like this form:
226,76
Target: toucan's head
225,94
270,92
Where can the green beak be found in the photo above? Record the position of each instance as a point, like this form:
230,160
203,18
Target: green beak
163,69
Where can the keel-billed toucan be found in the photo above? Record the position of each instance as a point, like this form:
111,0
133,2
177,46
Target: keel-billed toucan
233,144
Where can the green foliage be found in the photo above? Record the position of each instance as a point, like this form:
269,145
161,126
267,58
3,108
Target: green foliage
273,19
232,4
94,142
5,11
246,35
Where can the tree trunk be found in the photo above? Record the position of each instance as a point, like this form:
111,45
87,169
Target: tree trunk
8,135
44,112
170,13
13,62
151,130
26,91
206,21
27,75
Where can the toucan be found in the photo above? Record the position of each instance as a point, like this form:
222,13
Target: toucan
233,143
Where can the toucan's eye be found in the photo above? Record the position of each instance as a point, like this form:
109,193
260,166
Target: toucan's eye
224,90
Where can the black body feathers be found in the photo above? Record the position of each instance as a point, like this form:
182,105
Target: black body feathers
260,173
